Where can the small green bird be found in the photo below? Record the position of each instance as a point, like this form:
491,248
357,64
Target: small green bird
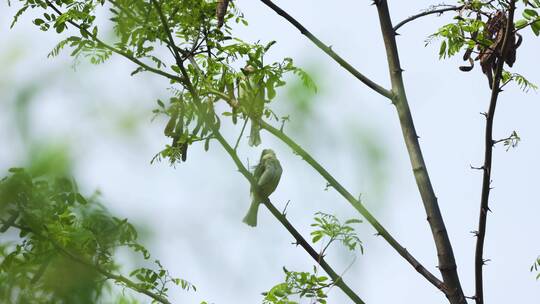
267,174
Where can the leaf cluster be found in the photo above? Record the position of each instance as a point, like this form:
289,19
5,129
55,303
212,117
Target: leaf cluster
300,284
329,226
468,32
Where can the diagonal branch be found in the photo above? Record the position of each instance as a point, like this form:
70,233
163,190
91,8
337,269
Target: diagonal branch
328,50
338,281
429,11
488,154
356,204
445,254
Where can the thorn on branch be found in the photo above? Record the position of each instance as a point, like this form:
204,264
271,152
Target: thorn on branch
484,261
475,232
477,168
284,212
484,114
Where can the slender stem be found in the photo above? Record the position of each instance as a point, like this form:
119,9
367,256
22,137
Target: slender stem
356,204
427,13
488,155
445,254
174,49
328,50
241,134
109,275
338,281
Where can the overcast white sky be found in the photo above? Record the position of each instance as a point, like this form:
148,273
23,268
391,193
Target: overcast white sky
193,212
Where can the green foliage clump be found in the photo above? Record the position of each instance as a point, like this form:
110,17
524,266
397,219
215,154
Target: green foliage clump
65,245
300,284
329,226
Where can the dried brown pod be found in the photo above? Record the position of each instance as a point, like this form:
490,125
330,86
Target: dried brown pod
488,56
221,11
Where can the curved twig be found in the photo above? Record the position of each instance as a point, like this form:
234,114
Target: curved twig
427,13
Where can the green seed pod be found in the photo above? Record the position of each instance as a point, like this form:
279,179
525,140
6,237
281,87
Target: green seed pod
169,128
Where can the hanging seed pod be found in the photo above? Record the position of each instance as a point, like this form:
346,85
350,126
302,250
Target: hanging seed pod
207,144
234,116
170,127
197,126
183,151
221,11
180,125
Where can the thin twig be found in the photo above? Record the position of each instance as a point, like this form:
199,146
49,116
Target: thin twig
488,155
328,50
241,134
427,13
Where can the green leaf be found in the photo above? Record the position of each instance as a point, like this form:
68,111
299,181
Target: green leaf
535,27
442,50
521,23
529,14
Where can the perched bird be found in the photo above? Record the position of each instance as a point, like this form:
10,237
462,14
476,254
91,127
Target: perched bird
267,174
221,10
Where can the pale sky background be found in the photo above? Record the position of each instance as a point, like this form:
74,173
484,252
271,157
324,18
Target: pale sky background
192,213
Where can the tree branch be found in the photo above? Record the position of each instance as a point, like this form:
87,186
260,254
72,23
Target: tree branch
328,50
447,264
429,11
338,281
356,204
488,154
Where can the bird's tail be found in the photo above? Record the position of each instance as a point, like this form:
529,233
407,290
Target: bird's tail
251,216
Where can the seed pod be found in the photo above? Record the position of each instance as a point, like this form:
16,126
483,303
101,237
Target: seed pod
221,11
184,151
207,144
169,128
